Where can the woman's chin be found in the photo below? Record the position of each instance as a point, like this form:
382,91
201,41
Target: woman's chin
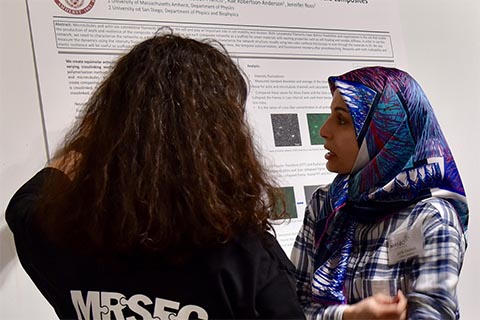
330,167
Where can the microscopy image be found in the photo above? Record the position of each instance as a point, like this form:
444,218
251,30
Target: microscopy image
309,191
286,130
290,202
315,122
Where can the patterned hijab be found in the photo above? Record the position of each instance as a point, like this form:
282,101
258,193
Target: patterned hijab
403,158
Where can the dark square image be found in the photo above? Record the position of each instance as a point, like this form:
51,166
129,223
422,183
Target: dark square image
309,190
286,130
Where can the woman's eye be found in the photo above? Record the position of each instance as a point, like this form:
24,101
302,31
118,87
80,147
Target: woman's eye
341,121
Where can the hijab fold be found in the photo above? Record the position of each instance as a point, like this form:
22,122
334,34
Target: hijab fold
403,158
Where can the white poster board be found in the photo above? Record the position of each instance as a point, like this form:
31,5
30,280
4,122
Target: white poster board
286,48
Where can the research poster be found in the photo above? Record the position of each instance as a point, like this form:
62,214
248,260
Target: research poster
287,49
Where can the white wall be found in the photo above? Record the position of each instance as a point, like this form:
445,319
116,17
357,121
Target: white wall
21,154
443,49
442,40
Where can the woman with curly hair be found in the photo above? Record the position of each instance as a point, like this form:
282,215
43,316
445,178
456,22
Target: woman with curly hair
157,205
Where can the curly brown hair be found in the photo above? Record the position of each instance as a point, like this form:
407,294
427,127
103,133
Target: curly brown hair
167,159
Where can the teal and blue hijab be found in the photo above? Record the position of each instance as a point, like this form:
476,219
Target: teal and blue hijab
403,158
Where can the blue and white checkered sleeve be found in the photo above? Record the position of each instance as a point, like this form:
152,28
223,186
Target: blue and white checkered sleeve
436,275
302,257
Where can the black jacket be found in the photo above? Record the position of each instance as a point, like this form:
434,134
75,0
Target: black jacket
249,277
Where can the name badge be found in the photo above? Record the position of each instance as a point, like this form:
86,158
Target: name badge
404,244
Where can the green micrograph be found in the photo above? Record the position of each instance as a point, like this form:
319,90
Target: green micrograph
290,203
315,122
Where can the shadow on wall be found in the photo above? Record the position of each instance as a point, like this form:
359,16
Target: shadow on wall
8,255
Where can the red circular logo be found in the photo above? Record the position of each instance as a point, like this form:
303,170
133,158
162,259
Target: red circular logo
76,7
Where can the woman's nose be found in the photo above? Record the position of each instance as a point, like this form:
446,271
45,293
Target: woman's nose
324,132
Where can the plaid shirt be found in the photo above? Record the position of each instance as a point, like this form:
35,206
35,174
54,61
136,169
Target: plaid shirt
428,278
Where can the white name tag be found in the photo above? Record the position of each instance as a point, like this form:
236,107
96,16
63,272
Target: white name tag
404,244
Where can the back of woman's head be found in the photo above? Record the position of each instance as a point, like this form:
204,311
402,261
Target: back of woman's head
167,160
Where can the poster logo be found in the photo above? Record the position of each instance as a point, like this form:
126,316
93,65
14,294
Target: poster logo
77,7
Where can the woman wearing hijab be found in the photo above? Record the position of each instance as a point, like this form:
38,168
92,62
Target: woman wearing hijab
386,239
